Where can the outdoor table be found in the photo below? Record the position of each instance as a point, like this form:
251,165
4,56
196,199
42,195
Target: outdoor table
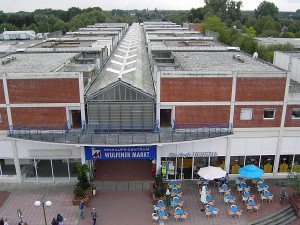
211,208
261,185
176,200
160,204
208,198
247,194
175,190
243,185
179,211
252,203
202,179
173,182
229,196
240,178
234,209
161,213
224,187
267,194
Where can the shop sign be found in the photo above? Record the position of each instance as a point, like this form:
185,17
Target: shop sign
194,154
124,152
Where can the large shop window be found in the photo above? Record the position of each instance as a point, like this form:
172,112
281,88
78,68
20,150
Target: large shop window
296,166
218,161
236,162
252,160
285,163
7,167
267,163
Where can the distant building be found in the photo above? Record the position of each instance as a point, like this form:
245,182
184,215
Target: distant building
19,35
195,27
276,41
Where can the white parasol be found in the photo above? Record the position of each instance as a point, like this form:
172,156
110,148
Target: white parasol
203,194
211,172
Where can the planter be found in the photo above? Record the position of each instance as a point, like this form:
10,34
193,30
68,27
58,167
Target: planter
85,200
295,201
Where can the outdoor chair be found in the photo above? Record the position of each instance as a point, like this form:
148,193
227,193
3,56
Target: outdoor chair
263,198
256,207
251,198
184,216
249,207
208,213
165,218
270,198
226,200
177,217
180,204
232,201
155,217
230,213
221,191
244,199
239,189
239,213
215,212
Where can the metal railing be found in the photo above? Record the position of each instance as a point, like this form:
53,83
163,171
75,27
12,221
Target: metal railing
120,137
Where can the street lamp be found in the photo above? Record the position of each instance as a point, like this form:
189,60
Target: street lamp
47,203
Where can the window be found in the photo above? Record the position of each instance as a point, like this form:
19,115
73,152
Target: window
296,113
269,113
246,114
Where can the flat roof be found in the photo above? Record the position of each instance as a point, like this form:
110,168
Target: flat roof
220,61
35,62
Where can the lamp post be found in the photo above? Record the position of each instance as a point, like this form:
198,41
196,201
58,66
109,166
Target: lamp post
47,203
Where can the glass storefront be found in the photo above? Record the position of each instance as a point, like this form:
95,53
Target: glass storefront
55,170
236,162
181,168
285,163
7,167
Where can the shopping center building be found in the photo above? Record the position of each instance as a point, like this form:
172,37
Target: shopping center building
154,92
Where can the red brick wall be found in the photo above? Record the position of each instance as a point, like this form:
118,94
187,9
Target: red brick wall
257,117
37,115
43,91
2,97
4,123
202,114
260,89
195,89
289,122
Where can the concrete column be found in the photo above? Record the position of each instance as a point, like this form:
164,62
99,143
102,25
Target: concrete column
81,95
82,154
158,158
16,161
7,102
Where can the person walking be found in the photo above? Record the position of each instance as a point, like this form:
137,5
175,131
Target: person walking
283,193
20,216
94,216
2,221
81,207
168,197
6,222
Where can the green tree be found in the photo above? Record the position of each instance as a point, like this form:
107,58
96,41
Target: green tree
215,24
7,26
266,8
250,31
246,44
287,35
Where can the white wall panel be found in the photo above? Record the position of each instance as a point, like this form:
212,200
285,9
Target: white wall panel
289,145
269,146
219,145
202,146
253,146
6,149
238,146
167,149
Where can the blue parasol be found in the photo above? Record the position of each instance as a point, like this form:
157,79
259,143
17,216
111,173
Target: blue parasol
251,171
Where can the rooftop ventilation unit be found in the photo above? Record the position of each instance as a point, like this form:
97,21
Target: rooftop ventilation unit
8,60
238,58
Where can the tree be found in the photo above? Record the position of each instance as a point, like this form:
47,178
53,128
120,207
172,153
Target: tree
215,24
294,178
266,9
246,44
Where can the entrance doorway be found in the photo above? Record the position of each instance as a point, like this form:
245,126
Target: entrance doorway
76,119
165,118
123,170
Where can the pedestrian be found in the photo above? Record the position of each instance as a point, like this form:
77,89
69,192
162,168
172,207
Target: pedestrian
168,199
94,216
54,221
81,207
6,222
59,218
19,212
2,221
283,193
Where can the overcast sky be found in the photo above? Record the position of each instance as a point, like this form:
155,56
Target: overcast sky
31,5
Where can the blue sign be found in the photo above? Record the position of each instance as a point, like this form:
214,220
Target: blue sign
125,152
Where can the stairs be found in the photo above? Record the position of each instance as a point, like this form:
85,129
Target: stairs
122,185
282,217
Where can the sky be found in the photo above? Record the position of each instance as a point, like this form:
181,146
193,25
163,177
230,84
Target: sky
31,5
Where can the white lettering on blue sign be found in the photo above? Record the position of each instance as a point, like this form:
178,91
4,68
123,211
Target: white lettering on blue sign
195,154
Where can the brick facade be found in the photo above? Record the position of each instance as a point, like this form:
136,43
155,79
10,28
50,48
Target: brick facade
202,114
2,97
27,116
196,89
4,120
43,91
260,89
289,121
257,117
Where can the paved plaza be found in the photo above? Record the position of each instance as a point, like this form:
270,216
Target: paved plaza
119,207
